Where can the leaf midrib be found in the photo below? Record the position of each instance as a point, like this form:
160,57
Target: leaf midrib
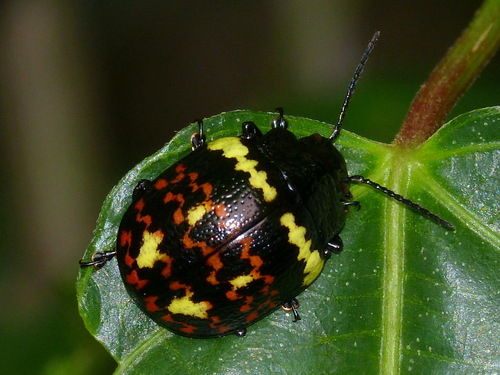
393,250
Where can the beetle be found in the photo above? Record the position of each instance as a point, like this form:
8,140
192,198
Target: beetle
238,227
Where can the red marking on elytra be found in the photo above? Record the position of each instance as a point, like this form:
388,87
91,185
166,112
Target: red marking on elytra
223,329
247,306
161,184
129,261
212,278
222,213
180,168
125,238
139,205
220,210
178,215
193,176
151,305
180,175
168,318
205,187
216,264
188,328
188,243
134,279
215,325
178,178
175,285
232,295
255,260
146,219
267,291
167,270
252,316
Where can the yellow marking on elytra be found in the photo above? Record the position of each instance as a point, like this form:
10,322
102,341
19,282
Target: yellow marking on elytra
196,213
186,306
149,253
233,148
241,281
297,236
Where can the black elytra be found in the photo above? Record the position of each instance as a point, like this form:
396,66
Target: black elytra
237,228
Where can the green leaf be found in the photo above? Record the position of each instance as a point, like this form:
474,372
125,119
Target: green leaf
406,295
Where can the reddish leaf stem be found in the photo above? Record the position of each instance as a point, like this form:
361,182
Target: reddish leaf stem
452,76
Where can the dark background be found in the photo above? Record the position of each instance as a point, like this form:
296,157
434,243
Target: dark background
90,88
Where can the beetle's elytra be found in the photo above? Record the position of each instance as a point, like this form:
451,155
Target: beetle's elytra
237,228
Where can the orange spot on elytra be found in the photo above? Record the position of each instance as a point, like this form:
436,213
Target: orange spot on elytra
188,243
255,260
151,305
207,188
178,216
160,184
212,278
216,264
175,285
193,176
125,238
178,178
146,219
252,316
167,270
188,328
220,210
232,295
214,324
129,261
134,279
180,168
139,205
167,318
247,306
223,329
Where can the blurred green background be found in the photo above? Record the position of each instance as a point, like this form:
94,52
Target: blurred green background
89,88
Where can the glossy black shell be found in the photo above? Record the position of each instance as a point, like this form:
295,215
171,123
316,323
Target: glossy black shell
232,231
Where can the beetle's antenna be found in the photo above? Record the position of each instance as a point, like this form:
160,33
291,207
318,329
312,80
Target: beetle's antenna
400,198
352,85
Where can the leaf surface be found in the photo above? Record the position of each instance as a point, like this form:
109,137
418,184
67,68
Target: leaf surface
405,296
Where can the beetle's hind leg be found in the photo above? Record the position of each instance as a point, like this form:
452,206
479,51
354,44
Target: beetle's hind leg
292,305
335,245
98,259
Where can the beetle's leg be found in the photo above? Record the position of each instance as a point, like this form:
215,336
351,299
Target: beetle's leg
250,131
98,259
279,122
351,203
198,139
292,306
335,245
241,332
